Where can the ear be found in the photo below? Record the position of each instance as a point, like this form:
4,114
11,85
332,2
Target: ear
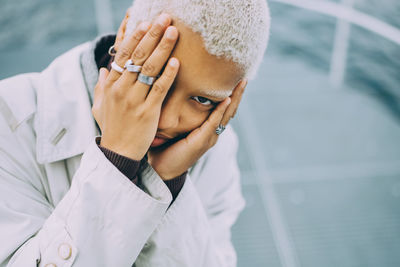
121,30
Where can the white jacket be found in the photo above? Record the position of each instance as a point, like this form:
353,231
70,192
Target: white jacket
63,202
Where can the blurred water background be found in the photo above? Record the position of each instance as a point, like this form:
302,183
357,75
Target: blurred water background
320,162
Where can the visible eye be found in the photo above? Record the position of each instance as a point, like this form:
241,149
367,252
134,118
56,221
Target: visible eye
203,101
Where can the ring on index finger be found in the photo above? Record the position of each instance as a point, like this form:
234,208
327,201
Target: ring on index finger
111,51
132,67
116,67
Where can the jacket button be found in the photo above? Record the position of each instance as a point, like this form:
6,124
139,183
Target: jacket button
50,265
64,251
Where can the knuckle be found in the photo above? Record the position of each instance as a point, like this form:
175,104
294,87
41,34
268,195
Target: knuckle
117,94
138,54
124,53
148,68
158,88
166,44
137,36
214,123
169,73
155,33
130,105
141,112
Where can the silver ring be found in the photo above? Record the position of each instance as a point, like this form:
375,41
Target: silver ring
116,67
146,79
220,129
111,51
132,67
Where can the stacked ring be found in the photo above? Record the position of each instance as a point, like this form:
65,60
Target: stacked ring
116,67
132,67
129,66
146,79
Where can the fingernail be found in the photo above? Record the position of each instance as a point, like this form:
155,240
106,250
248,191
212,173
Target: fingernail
170,33
173,62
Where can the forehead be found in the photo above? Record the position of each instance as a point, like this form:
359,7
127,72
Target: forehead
200,70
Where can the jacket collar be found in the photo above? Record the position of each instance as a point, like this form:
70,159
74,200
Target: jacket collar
64,123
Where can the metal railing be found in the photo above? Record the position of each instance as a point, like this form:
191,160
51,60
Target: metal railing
346,15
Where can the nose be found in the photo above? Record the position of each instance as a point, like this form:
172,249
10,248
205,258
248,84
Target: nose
170,113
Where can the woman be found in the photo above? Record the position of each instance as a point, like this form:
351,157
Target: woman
157,96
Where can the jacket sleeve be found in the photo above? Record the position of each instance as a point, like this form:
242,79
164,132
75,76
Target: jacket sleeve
196,230
103,220
130,167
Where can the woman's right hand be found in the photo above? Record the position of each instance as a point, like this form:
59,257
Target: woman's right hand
127,110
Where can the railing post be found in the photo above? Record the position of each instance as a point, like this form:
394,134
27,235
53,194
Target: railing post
340,48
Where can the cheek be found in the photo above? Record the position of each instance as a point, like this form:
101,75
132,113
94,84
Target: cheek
192,118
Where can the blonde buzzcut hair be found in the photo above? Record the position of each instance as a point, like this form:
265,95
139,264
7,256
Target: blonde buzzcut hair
236,30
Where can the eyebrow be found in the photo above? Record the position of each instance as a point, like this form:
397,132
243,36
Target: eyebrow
214,93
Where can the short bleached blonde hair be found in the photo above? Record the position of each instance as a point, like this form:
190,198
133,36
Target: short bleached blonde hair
236,30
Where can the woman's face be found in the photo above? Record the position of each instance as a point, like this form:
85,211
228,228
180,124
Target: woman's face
202,82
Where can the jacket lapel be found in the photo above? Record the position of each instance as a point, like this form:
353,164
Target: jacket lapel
64,123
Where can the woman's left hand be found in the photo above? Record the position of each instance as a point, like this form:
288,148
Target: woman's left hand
174,160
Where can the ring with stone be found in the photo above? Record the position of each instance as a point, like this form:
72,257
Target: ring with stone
129,66
146,79
116,67
220,129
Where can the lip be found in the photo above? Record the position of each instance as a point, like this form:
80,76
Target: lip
159,135
159,140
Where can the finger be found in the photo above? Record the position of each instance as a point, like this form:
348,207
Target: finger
154,64
99,89
236,98
204,137
121,30
244,87
127,47
157,59
163,84
151,39
214,120
99,95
